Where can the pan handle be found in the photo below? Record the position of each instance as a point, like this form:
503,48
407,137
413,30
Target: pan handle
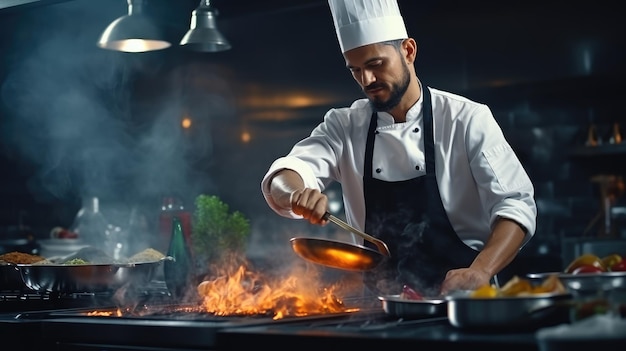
382,247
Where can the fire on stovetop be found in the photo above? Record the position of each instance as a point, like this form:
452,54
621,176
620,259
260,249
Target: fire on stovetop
233,290
241,291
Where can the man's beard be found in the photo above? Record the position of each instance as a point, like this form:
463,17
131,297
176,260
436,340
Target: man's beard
397,92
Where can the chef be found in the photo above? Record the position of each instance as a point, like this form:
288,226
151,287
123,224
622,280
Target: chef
427,171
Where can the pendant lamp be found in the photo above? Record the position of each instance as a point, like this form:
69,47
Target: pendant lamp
203,34
134,32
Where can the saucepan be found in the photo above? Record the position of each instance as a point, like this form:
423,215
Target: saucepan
342,255
524,312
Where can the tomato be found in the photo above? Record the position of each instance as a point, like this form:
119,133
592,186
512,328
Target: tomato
585,260
66,234
587,268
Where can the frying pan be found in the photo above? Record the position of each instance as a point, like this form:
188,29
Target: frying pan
339,254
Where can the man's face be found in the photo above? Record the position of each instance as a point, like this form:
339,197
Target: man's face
382,74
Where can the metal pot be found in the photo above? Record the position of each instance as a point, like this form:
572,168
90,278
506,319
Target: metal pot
514,312
396,306
587,283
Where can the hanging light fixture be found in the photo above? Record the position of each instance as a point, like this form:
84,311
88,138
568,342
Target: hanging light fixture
203,34
134,32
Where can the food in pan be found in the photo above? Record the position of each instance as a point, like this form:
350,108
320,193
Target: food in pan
611,260
77,261
16,257
619,266
87,255
586,260
517,286
147,255
410,294
591,263
614,263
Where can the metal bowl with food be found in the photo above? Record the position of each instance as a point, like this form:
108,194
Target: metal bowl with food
10,278
88,269
73,278
507,312
398,306
584,283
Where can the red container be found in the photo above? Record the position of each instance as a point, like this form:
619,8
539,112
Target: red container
170,208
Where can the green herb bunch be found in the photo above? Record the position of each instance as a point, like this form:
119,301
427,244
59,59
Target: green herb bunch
216,231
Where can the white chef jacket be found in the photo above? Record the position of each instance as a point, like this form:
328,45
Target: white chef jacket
479,176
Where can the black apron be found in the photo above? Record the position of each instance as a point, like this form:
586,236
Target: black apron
410,218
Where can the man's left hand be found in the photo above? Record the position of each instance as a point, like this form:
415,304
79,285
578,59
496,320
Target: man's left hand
464,279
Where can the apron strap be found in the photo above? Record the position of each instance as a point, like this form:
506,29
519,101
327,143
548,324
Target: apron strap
429,140
369,146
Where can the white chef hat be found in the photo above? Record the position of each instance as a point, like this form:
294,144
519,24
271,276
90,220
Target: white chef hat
363,22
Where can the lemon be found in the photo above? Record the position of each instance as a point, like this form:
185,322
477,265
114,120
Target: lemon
485,291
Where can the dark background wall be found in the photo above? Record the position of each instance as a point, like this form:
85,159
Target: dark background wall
79,121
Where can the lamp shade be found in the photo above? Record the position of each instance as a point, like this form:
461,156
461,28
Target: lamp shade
133,32
203,34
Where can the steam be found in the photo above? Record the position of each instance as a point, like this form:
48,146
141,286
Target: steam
73,119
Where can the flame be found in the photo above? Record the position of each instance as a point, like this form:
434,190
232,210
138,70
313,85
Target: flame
116,313
247,293
233,290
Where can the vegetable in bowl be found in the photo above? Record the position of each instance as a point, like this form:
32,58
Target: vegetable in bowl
77,261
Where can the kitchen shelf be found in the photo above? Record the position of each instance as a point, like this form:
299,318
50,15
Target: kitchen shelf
600,150
606,89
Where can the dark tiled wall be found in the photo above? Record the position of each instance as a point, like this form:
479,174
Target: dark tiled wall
547,126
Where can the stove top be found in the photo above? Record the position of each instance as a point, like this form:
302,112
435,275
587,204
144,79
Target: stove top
29,300
145,327
374,332
73,329
158,324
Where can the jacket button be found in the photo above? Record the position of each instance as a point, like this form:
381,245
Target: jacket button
378,170
417,167
375,132
416,130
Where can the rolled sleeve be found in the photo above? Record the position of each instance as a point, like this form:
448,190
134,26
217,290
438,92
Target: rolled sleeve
512,185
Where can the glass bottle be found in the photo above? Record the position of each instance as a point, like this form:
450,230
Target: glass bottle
592,136
139,237
178,272
92,227
172,207
616,134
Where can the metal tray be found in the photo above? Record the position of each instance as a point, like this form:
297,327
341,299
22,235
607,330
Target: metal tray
396,306
587,283
76,278
513,312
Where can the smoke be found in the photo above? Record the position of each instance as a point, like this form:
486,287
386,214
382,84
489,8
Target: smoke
73,120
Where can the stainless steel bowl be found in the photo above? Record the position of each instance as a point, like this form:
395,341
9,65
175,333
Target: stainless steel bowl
587,283
516,312
396,306
73,278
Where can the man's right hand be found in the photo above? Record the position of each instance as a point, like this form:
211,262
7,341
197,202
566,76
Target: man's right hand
310,204
288,191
